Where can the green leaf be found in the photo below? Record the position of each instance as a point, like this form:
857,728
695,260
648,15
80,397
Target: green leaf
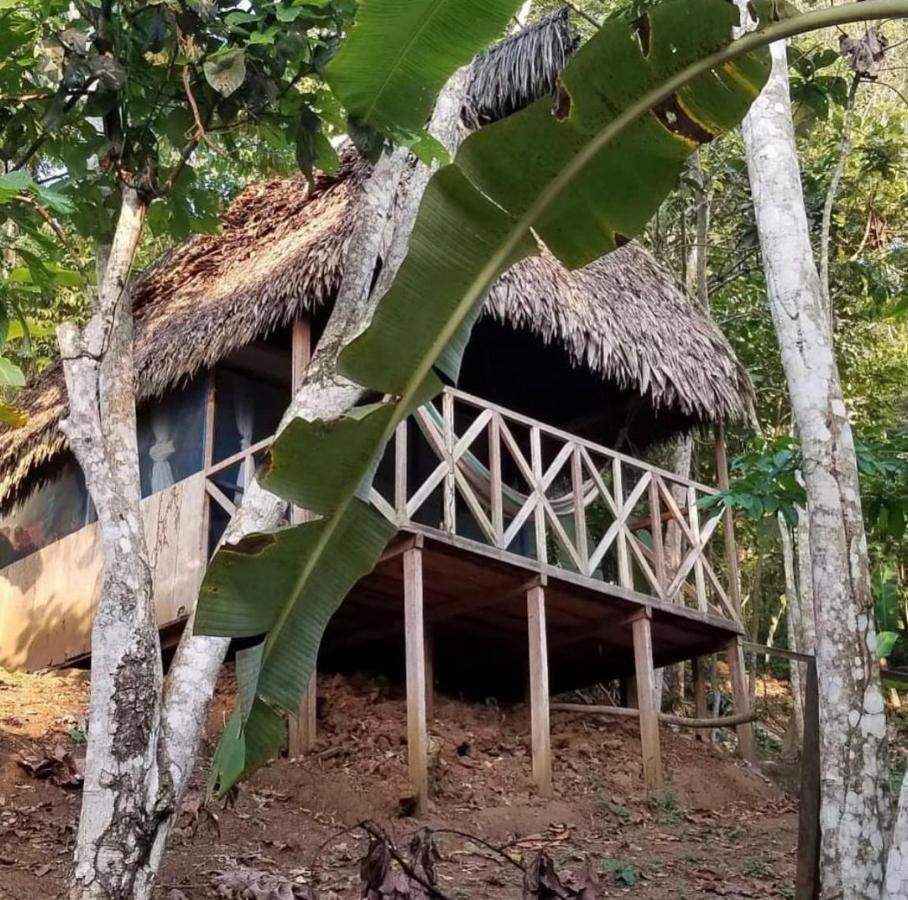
226,72
11,376
401,52
11,416
885,643
287,585
13,183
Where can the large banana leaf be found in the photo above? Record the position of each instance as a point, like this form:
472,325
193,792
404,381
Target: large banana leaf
582,177
400,52
481,212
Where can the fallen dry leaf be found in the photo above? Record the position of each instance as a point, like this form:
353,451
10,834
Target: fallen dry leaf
244,883
58,765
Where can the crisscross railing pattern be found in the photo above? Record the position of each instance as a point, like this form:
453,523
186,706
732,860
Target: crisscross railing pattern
471,469
476,471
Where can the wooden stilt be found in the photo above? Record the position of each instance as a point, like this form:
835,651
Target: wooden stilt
302,726
807,882
539,691
414,633
646,701
700,706
741,697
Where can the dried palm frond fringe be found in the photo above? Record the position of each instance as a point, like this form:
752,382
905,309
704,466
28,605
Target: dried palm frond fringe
520,69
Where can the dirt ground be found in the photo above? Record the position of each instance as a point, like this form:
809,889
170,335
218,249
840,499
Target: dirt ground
721,828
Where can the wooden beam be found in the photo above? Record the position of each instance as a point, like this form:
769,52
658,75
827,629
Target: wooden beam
718,722
208,455
728,521
626,711
300,351
302,726
779,651
668,718
646,701
414,636
741,696
539,692
400,545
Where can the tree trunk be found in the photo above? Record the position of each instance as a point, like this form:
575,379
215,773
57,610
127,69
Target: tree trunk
392,197
854,804
123,794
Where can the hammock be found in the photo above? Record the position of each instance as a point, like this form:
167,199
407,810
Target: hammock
479,477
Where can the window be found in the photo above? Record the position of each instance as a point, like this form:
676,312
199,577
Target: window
54,509
171,436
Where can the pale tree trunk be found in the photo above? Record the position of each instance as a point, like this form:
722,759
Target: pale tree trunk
123,793
391,200
854,804
143,737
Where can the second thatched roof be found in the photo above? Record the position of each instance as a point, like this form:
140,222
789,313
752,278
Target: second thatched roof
280,254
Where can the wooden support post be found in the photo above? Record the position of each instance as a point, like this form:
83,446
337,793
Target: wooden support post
539,691
300,352
728,526
208,456
414,634
741,696
701,710
302,727
646,700
807,881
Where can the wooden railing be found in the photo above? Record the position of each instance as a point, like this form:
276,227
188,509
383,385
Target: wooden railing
473,470
476,472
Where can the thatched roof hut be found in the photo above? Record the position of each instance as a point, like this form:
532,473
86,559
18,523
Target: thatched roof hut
280,253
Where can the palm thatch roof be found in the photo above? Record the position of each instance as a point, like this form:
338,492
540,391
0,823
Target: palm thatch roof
280,254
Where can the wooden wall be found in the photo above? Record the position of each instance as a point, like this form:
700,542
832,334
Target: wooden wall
47,599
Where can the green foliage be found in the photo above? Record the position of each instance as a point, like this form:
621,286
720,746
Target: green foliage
889,611
764,482
624,872
666,807
481,213
816,87
399,54
183,101
883,463
30,269
106,93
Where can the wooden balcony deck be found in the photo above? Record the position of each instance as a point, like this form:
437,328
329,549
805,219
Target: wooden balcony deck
500,484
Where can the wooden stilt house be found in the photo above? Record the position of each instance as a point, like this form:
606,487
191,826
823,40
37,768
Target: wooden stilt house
531,535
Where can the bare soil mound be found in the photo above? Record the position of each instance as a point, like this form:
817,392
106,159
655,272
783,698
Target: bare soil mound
720,829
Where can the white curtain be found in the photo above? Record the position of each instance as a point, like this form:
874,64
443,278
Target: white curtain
162,448
244,413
